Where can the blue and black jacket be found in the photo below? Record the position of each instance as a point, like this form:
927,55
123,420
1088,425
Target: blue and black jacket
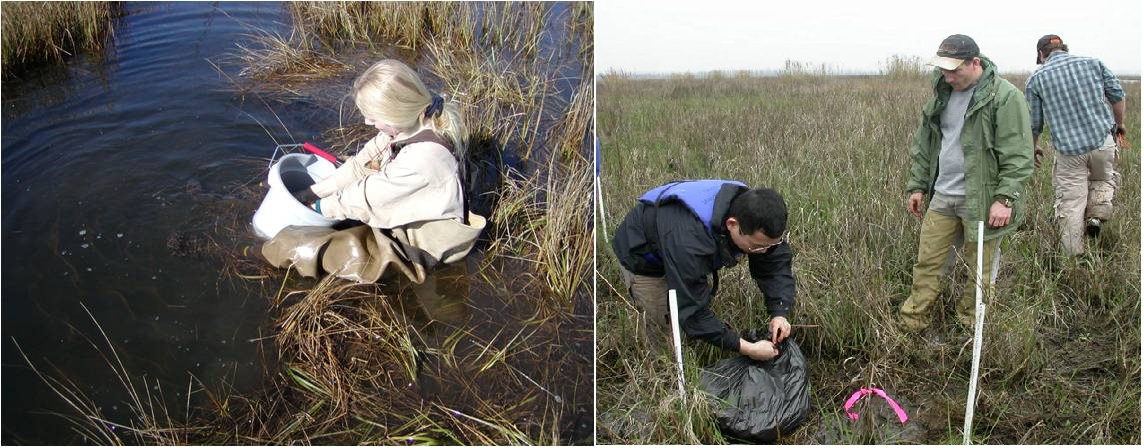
678,231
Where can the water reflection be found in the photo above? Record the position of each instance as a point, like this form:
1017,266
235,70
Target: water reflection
444,295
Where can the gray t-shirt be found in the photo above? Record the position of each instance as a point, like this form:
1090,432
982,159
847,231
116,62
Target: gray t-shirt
951,160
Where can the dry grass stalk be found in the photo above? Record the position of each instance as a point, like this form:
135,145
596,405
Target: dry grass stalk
288,59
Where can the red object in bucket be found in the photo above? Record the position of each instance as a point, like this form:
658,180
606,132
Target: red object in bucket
318,151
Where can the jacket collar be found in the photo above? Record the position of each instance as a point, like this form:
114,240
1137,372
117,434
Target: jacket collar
985,85
725,249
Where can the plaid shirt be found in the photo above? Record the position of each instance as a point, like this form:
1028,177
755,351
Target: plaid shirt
1069,92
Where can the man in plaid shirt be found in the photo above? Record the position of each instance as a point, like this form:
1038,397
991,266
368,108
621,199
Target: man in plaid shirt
1073,94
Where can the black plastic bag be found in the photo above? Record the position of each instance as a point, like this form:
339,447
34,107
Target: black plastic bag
759,400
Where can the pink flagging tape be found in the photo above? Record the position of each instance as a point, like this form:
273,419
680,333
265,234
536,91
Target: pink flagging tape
879,392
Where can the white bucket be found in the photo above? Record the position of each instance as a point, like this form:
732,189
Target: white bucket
280,208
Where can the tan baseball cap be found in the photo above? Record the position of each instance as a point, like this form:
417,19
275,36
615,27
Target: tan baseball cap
955,50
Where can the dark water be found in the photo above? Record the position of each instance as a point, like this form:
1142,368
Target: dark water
113,177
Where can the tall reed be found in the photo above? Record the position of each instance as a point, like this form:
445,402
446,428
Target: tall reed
38,32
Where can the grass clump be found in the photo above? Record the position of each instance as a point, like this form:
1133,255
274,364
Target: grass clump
44,32
411,25
904,67
1061,337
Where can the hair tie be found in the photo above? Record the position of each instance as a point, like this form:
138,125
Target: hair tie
435,107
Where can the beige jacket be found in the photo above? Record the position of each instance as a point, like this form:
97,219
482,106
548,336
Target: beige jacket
415,195
420,183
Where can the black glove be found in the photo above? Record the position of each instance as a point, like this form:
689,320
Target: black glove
306,196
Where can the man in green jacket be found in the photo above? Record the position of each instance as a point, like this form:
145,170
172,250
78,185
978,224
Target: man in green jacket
972,156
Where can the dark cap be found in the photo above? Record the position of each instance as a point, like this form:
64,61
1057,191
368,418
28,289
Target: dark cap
954,50
1046,41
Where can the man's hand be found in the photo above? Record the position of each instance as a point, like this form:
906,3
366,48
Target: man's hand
1121,136
999,215
780,329
915,204
761,351
1038,153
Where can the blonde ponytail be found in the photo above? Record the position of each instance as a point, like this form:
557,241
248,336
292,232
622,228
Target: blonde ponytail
450,125
392,92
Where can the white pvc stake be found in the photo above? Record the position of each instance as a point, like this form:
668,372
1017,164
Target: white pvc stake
978,324
603,217
674,305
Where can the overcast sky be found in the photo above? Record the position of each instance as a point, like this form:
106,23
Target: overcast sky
642,36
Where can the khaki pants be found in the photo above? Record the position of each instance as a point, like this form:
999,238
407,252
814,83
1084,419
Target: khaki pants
1084,186
943,223
650,295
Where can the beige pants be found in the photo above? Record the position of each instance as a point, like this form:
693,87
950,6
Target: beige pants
650,295
942,225
1084,187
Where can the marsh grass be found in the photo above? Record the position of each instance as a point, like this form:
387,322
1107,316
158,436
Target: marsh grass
1060,361
904,67
548,223
285,59
358,364
45,32
412,25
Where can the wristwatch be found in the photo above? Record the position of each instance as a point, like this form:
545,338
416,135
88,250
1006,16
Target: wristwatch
1004,200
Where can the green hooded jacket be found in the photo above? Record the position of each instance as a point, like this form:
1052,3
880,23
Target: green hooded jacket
997,141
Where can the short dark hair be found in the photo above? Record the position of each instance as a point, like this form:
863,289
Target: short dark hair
759,209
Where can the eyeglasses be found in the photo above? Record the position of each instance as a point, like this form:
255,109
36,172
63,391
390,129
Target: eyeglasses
760,249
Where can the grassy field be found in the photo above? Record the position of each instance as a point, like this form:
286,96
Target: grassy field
1060,362
503,356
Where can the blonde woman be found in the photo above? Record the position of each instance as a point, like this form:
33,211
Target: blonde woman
404,182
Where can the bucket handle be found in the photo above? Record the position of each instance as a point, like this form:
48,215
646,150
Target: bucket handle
278,148
318,151
307,146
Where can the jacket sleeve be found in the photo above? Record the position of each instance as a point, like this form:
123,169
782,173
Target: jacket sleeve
1013,145
688,253
354,169
920,155
373,194
773,274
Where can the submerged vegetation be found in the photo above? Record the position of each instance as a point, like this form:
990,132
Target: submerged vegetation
1060,362
39,32
495,351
